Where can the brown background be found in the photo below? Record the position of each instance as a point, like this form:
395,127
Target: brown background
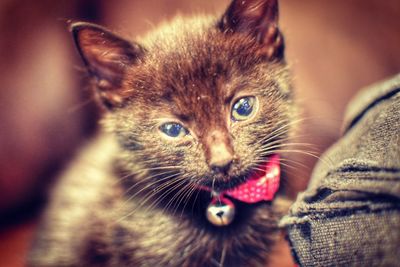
333,47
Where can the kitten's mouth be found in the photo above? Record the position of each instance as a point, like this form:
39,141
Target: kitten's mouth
259,186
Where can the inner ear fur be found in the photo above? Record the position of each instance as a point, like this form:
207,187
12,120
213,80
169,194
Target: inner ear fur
259,19
107,56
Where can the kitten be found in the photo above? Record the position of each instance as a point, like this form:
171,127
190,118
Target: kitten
195,115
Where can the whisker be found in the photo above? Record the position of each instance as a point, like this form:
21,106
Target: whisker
170,202
194,201
171,185
146,187
179,182
163,168
212,187
139,206
294,145
185,192
191,192
280,130
305,153
146,179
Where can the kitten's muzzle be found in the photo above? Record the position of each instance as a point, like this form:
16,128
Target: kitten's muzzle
222,166
219,151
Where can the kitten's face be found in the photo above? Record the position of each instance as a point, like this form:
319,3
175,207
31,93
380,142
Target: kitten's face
199,102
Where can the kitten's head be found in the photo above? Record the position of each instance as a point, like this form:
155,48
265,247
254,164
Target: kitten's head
199,101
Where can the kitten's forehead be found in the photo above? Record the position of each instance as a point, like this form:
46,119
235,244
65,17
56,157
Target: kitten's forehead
175,75
198,100
194,71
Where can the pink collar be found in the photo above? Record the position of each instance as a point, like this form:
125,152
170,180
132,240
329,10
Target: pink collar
262,186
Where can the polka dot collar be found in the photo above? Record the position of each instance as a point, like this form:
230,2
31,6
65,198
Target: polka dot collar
260,187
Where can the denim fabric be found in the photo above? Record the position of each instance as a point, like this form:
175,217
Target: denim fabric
350,213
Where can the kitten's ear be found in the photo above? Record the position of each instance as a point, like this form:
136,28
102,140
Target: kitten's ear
106,56
258,18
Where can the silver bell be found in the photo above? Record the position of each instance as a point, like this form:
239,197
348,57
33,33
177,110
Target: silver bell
221,211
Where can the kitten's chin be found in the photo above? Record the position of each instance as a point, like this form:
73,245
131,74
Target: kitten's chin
224,184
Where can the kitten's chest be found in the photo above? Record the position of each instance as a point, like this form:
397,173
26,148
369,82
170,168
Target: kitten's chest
158,239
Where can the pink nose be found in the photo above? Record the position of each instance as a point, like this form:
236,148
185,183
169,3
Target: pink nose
219,150
220,157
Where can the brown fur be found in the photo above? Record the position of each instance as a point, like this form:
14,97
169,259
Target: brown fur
130,199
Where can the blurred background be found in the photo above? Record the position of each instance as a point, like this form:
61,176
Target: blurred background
334,49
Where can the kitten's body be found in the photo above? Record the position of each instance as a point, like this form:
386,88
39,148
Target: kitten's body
130,198
93,229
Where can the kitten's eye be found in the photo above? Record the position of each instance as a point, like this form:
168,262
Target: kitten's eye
173,129
244,108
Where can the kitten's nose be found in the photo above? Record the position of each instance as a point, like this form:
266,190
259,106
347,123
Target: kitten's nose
221,157
222,168
219,150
